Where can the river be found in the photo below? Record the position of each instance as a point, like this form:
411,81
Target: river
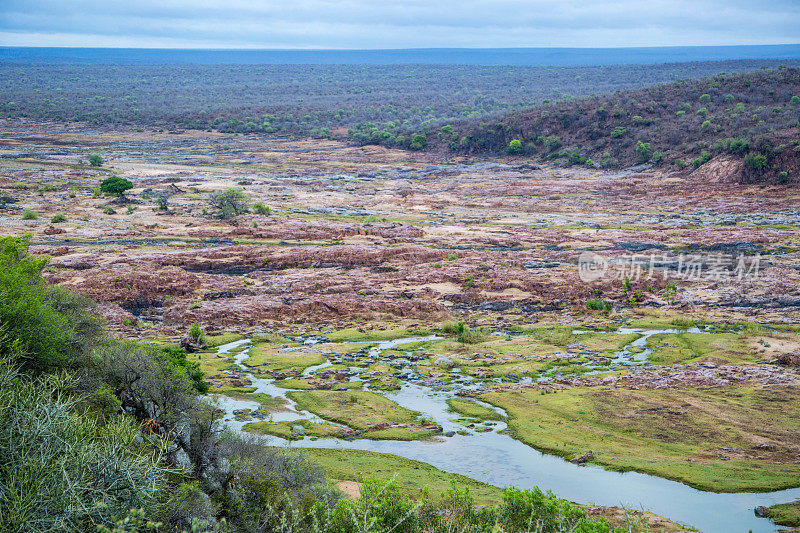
498,459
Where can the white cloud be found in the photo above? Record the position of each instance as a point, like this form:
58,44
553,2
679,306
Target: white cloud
393,24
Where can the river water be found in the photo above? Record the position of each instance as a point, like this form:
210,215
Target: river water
500,460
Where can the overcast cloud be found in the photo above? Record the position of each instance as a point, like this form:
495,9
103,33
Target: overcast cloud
389,24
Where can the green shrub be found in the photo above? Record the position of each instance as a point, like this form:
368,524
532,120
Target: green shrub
705,157
58,218
598,305
261,209
643,152
29,215
95,160
60,470
515,146
619,131
115,186
230,202
551,142
51,327
756,163
419,141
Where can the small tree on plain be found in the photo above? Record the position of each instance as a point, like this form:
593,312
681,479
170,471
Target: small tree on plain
115,186
230,202
96,160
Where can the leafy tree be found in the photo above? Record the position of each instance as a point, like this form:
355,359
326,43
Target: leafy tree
50,327
57,218
115,186
230,202
29,214
96,160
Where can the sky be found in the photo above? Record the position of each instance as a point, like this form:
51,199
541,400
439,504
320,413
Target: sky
382,24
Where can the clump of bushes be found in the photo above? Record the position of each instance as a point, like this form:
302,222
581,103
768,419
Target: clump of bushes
29,214
58,218
596,304
705,157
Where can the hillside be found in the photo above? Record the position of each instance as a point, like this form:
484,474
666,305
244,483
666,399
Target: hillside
745,125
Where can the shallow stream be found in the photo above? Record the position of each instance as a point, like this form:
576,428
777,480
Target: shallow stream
498,459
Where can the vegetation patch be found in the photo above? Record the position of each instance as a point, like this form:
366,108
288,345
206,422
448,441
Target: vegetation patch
785,514
472,409
367,411
720,439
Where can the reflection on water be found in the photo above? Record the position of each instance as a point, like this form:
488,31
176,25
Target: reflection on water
496,458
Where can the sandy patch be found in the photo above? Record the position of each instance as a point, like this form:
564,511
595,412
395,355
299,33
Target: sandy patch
351,488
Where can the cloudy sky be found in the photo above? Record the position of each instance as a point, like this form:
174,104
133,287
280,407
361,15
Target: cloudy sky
396,24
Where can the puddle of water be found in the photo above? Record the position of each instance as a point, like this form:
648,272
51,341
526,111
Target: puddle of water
495,458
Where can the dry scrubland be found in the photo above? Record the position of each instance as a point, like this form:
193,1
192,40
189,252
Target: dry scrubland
365,244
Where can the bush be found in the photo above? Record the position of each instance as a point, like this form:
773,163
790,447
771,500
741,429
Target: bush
95,160
755,164
619,131
115,186
29,215
50,327
230,202
419,141
705,157
59,470
595,304
261,209
58,218
643,152
515,146
550,142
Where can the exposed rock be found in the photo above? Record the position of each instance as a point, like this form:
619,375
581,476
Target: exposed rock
789,359
191,344
585,458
